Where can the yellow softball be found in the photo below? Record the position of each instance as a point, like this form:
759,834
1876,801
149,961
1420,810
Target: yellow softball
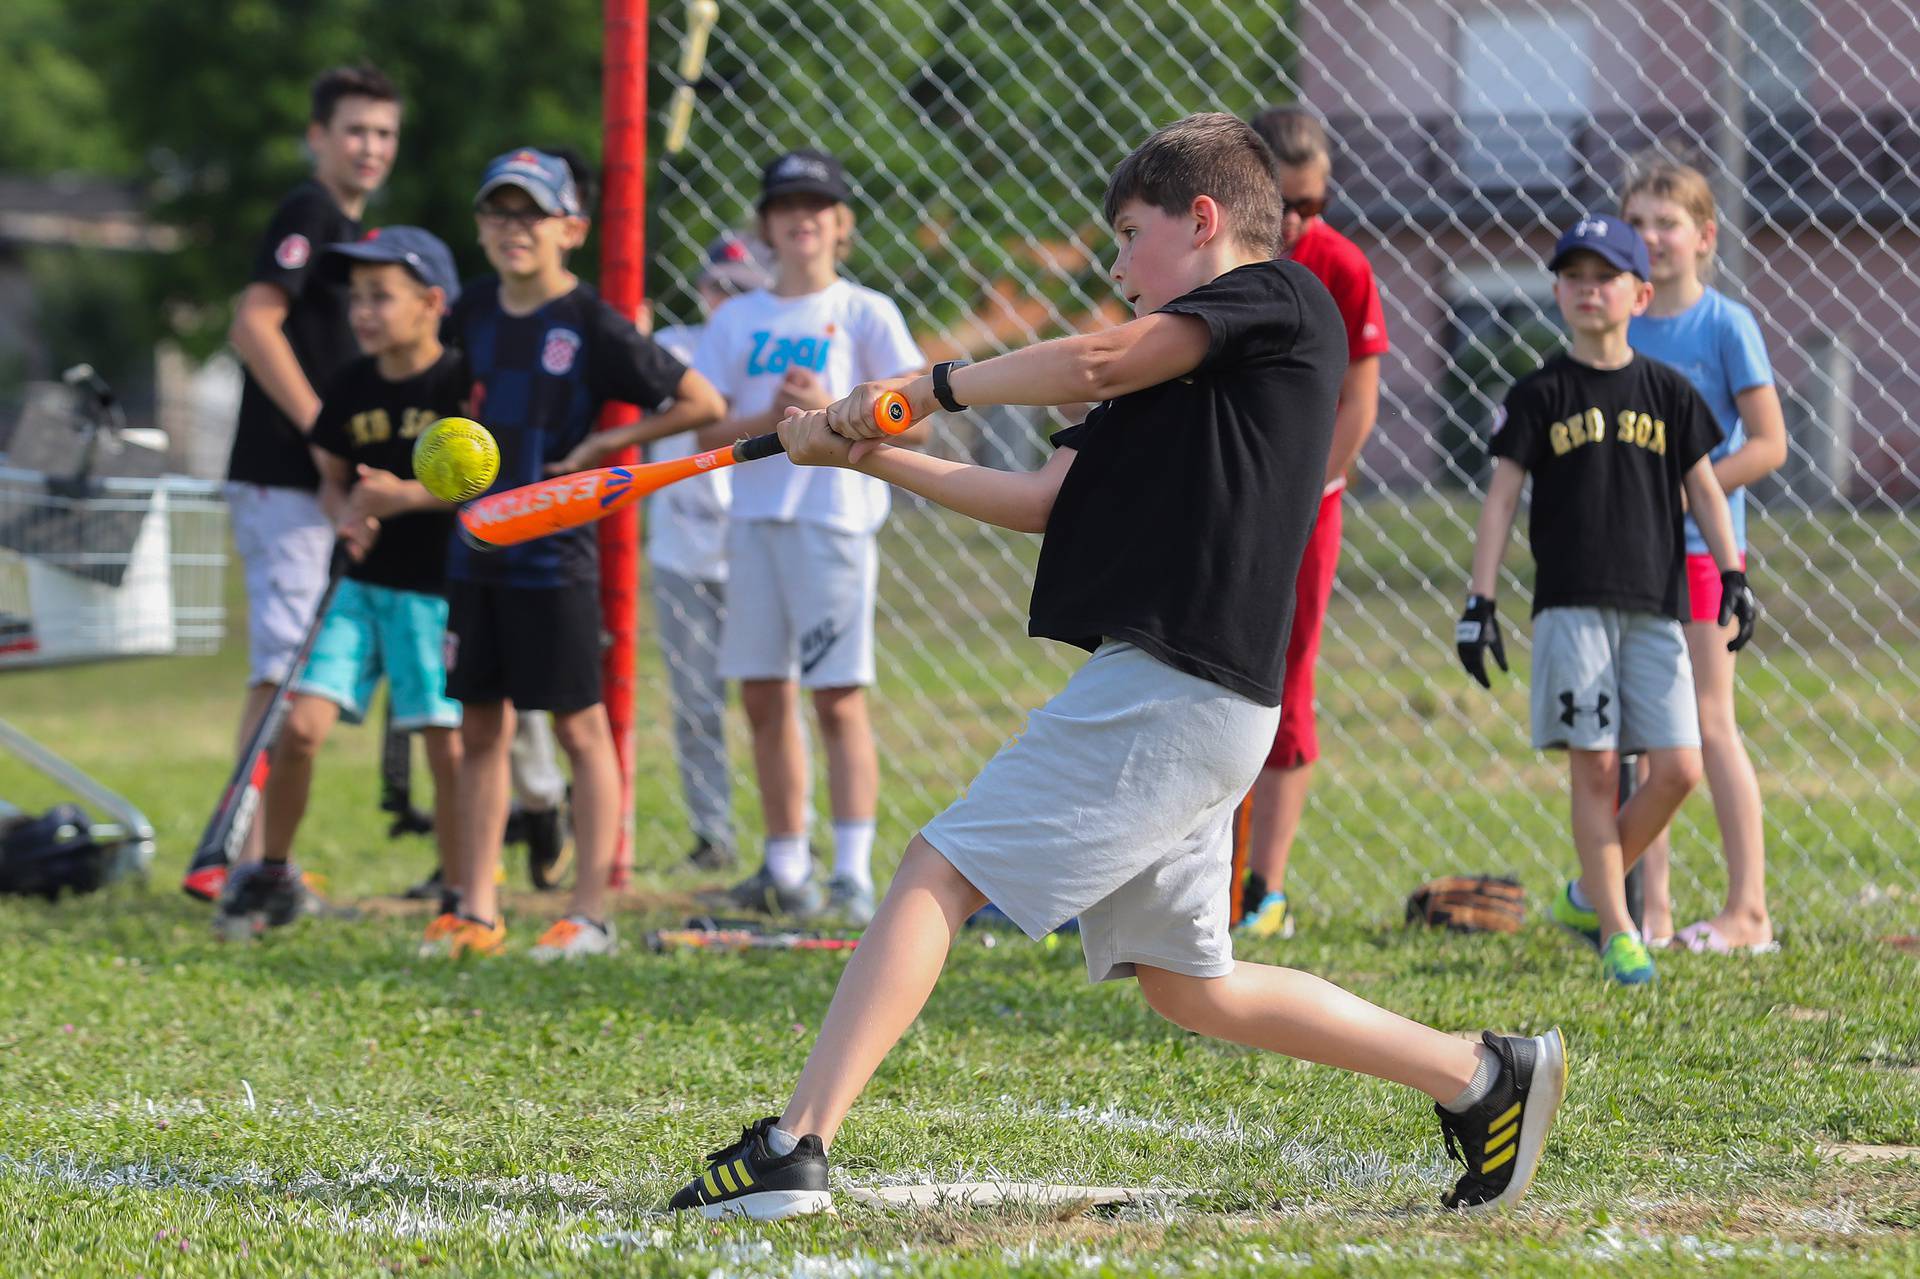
456,459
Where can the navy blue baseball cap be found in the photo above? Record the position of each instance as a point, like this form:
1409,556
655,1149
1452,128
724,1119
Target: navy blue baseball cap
736,264
422,252
547,178
805,172
1609,237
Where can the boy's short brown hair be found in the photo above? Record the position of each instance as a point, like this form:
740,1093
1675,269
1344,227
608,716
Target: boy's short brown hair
363,81
1295,134
1212,154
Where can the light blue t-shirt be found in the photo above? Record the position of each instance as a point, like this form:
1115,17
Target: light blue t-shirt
1717,344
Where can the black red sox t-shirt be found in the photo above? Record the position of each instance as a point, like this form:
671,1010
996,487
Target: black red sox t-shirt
539,382
364,418
1608,450
1180,527
268,448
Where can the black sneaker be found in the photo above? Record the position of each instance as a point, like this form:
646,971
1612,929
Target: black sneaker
1499,1140
710,855
549,846
409,821
758,892
748,1180
426,890
259,896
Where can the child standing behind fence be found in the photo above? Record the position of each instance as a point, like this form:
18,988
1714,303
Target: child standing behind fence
1613,441
1716,343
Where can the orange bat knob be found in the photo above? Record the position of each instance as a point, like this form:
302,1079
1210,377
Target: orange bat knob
891,413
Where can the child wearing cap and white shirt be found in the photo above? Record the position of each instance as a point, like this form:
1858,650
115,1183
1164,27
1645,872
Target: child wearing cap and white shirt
687,556
803,564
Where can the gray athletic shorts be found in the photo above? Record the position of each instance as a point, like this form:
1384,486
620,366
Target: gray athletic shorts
284,540
1606,679
800,603
1115,804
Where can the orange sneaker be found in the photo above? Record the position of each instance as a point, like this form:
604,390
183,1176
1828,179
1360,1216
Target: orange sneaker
574,937
472,937
439,934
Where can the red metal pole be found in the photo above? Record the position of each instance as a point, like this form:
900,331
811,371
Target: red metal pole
622,282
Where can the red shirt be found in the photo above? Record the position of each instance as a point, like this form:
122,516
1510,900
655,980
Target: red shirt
1340,265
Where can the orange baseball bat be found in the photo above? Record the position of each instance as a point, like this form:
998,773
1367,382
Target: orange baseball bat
517,515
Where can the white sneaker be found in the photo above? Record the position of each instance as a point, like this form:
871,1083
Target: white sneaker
574,937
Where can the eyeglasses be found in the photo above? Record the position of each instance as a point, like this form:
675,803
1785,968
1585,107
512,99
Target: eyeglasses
1308,206
525,219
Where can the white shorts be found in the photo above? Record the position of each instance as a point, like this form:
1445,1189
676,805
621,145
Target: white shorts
284,540
800,603
1115,804
1606,679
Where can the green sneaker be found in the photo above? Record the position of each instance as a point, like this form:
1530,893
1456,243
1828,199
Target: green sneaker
1581,923
1626,961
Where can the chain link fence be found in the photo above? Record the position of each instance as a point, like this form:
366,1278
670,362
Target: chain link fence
1466,135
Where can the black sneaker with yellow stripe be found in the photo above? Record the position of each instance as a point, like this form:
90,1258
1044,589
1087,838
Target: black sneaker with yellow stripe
748,1180
1500,1137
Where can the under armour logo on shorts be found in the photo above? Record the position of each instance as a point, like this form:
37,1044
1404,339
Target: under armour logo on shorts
1569,708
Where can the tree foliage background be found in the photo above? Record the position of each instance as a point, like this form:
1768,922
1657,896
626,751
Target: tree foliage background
974,134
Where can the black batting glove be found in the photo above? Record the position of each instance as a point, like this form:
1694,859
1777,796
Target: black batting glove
1476,632
1736,600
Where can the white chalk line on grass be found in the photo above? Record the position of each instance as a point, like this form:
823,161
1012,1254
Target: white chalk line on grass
581,1217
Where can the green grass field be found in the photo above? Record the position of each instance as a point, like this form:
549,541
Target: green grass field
325,1103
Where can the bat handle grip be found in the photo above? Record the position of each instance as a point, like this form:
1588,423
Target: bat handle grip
756,447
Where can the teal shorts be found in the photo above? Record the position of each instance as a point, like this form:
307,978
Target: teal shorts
376,630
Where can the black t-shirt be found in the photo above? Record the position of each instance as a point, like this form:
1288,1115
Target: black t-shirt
267,447
365,418
1609,450
1181,525
539,382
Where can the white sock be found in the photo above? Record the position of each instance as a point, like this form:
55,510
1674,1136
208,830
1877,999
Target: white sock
853,852
1484,1076
780,1141
788,860
1579,895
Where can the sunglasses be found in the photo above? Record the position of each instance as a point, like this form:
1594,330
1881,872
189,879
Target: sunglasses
524,218
1310,206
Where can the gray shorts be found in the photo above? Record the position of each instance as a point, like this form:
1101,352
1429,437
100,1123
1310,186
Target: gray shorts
1606,679
1115,804
800,603
284,540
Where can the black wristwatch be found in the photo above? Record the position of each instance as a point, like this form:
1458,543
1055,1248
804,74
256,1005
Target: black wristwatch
943,385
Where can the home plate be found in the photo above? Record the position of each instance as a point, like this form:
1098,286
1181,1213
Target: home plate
982,1194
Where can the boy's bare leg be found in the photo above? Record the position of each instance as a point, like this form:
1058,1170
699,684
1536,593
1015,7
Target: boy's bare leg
779,753
1671,775
290,780
588,741
884,987
443,761
483,793
1296,1013
1736,790
1595,785
1279,802
853,767
1656,876
1609,838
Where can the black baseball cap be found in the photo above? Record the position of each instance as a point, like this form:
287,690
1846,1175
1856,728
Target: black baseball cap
805,172
422,252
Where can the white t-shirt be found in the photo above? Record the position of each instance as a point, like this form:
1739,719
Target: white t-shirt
846,335
687,521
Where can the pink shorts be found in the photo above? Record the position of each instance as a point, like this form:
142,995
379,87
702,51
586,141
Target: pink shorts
1703,588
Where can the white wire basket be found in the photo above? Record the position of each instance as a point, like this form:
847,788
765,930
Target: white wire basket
108,568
